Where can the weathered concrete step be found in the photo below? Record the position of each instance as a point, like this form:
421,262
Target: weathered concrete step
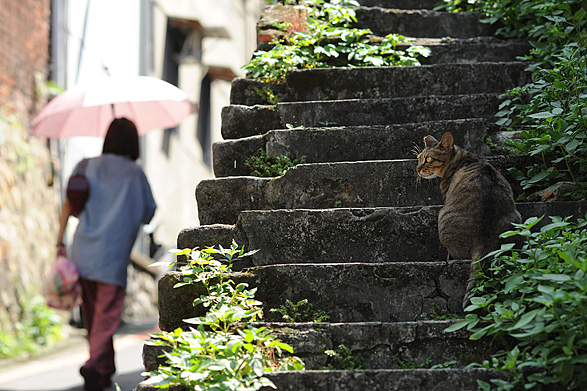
472,50
347,292
363,184
242,121
400,4
384,82
373,380
369,235
381,345
423,23
383,21
382,380
339,144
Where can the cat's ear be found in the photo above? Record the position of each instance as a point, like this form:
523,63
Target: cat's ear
430,142
447,143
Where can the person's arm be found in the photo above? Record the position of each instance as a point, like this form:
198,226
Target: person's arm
65,213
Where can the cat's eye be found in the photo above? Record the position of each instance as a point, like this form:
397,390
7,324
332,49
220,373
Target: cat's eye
428,159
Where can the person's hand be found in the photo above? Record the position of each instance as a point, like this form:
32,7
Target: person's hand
61,251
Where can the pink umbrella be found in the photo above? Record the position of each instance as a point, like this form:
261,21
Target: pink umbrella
87,110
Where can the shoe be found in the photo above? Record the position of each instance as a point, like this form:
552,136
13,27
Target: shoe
92,379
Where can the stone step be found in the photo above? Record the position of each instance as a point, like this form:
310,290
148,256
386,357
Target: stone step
472,50
466,50
384,82
400,4
366,235
339,144
456,379
415,23
382,380
242,121
381,345
363,184
423,23
347,292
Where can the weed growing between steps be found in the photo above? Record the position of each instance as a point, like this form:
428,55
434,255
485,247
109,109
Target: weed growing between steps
342,359
442,314
222,352
327,39
302,311
534,301
551,109
265,166
267,95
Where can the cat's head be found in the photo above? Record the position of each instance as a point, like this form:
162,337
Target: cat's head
432,158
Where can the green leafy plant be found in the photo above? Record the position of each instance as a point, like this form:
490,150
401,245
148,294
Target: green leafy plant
291,127
411,363
267,95
39,327
533,299
265,166
550,110
224,352
444,365
302,311
441,314
343,359
329,40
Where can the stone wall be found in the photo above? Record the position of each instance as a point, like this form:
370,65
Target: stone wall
28,219
29,208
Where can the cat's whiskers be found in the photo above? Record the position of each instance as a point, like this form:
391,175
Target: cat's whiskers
416,149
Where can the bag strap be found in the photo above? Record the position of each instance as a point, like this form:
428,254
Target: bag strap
80,169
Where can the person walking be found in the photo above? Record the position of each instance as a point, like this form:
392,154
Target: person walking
120,200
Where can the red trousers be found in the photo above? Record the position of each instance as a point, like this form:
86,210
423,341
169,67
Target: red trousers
101,310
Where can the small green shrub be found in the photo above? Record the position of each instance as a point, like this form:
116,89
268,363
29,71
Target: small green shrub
224,352
39,327
302,311
266,167
343,359
329,40
533,300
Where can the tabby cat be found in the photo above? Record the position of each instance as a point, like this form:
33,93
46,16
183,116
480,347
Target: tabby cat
478,201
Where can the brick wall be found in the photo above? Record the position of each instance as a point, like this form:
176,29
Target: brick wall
24,53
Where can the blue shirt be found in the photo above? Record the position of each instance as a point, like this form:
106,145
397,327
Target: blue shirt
120,201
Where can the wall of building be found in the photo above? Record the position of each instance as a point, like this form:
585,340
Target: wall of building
228,39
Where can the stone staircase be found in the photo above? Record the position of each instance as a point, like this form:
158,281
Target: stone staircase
353,230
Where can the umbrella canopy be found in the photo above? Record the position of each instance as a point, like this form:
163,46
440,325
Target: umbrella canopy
87,110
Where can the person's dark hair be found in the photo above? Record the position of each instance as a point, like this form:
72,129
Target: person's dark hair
122,139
